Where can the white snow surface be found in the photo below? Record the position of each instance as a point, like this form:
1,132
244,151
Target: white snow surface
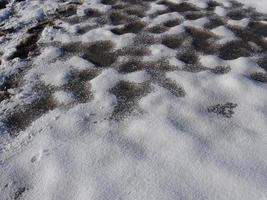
173,149
260,5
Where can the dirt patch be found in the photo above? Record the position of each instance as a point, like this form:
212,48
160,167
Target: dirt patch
202,40
127,95
84,29
188,57
90,12
158,29
109,2
237,14
226,110
132,27
118,17
214,22
158,13
79,85
131,66
67,11
221,70
247,34
172,22
29,44
20,118
100,53
3,4
194,15
182,7
134,51
136,64
235,49
136,11
135,27
172,41
18,194
211,5
15,80
4,95
72,47
262,62
236,4
259,76
199,33
145,39
194,68
172,87
119,6
258,28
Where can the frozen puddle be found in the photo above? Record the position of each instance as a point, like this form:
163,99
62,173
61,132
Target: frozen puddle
132,99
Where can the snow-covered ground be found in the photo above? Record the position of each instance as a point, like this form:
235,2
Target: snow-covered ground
133,99
260,5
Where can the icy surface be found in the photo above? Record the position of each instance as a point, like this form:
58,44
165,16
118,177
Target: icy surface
129,99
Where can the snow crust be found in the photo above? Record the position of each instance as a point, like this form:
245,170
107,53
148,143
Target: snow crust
173,149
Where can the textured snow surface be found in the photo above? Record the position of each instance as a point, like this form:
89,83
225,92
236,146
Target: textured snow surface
133,100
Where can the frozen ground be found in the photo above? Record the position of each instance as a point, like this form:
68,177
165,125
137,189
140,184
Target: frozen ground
133,99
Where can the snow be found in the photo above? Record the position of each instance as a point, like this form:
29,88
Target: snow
164,17
225,34
63,97
260,5
220,11
167,147
241,23
159,51
49,54
78,63
196,23
55,74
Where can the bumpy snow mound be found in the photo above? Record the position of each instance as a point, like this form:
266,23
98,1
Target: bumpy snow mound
133,99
